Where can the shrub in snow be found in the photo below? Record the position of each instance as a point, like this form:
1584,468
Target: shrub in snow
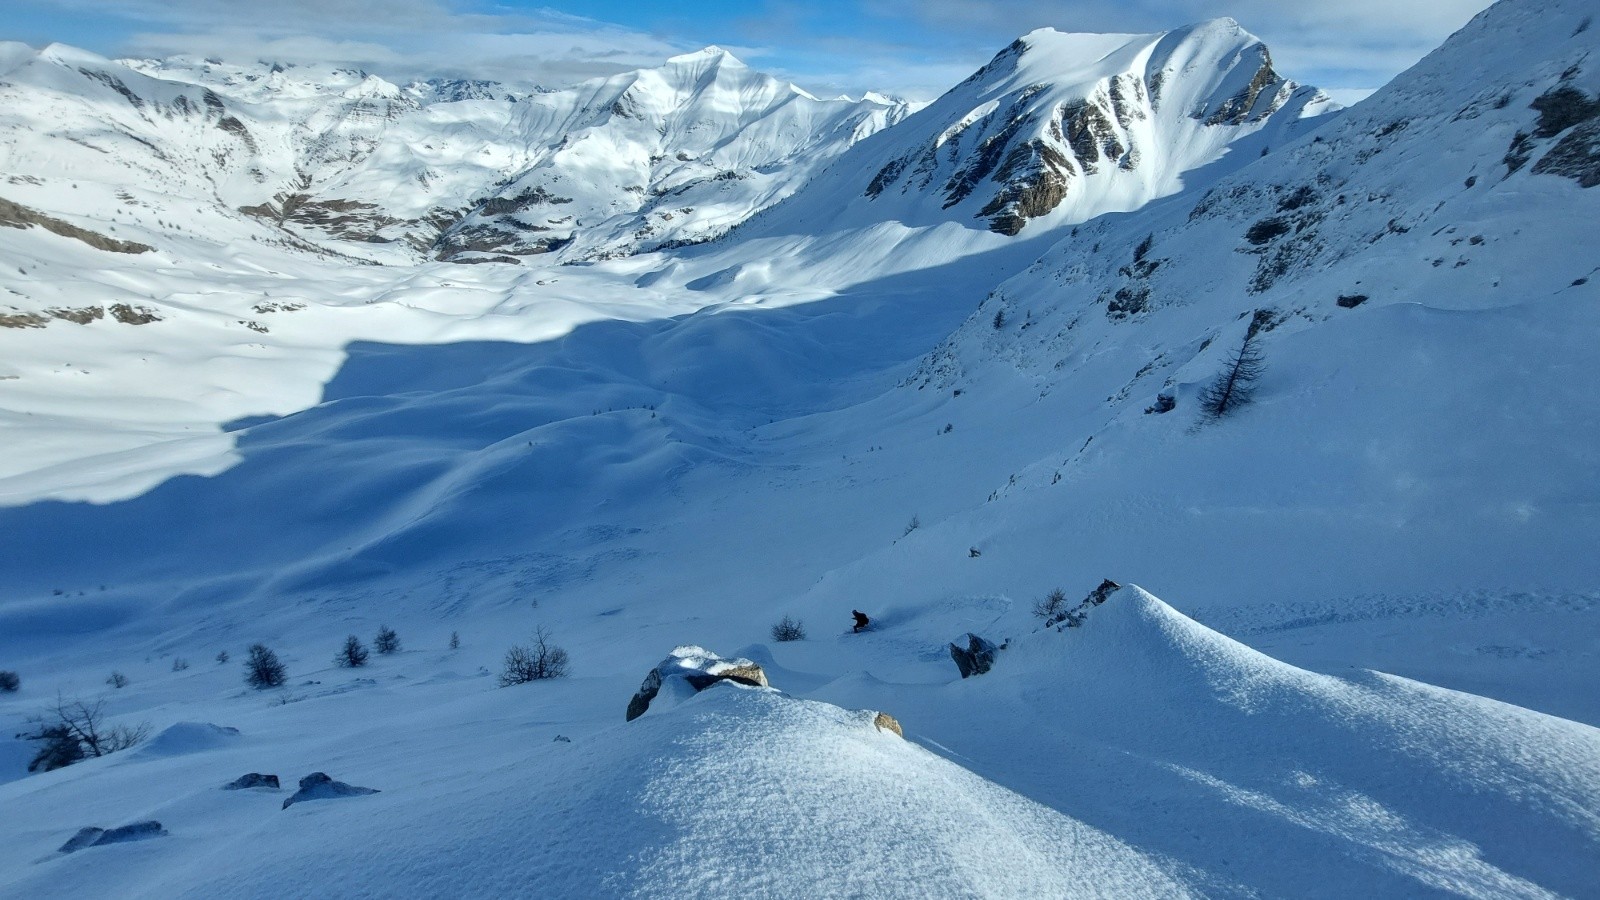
179,664
9,682
539,661
117,680
222,657
387,641
74,730
353,654
1053,604
455,641
58,748
789,629
262,668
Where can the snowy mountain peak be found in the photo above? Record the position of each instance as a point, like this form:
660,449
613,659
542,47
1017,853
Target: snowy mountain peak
710,54
1062,126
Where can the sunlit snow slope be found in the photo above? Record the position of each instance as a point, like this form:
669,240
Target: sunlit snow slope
918,416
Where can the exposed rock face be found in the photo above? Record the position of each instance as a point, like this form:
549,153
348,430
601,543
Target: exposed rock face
15,215
1026,134
1576,156
976,658
252,780
1248,104
697,667
885,722
97,837
318,786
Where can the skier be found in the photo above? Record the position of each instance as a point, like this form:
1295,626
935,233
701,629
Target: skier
861,620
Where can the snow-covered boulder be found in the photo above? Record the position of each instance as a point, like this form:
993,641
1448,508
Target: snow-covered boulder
318,786
692,669
252,780
96,837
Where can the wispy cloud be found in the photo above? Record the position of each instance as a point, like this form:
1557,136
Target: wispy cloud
913,47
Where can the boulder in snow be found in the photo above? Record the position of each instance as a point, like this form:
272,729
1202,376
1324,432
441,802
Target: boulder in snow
318,786
252,780
885,722
698,669
976,658
96,837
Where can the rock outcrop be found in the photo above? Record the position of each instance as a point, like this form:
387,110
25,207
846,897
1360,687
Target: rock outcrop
318,786
976,658
1074,617
252,780
96,837
698,668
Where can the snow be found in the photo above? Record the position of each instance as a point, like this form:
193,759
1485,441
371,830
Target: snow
1374,678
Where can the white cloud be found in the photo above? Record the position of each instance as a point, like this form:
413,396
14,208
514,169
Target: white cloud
916,48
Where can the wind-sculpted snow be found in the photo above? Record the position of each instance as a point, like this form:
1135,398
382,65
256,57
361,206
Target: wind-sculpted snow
1140,754
1188,744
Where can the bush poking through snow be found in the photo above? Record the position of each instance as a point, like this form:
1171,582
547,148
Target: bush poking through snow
352,655
10,682
789,629
179,664
539,661
386,642
262,668
117,680
74,730
1053,604
455,641
222,657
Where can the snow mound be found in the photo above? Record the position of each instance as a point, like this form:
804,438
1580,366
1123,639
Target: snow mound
735,791
189,737
1371,782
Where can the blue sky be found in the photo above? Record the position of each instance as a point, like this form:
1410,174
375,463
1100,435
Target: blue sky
915,48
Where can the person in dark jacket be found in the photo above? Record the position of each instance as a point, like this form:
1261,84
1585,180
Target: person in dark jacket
861,620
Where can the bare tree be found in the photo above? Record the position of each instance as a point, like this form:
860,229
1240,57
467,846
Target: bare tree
534,663
74,730
1235,385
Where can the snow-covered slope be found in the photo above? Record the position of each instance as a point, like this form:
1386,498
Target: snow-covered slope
1163,759
347,160
665,157
681,447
